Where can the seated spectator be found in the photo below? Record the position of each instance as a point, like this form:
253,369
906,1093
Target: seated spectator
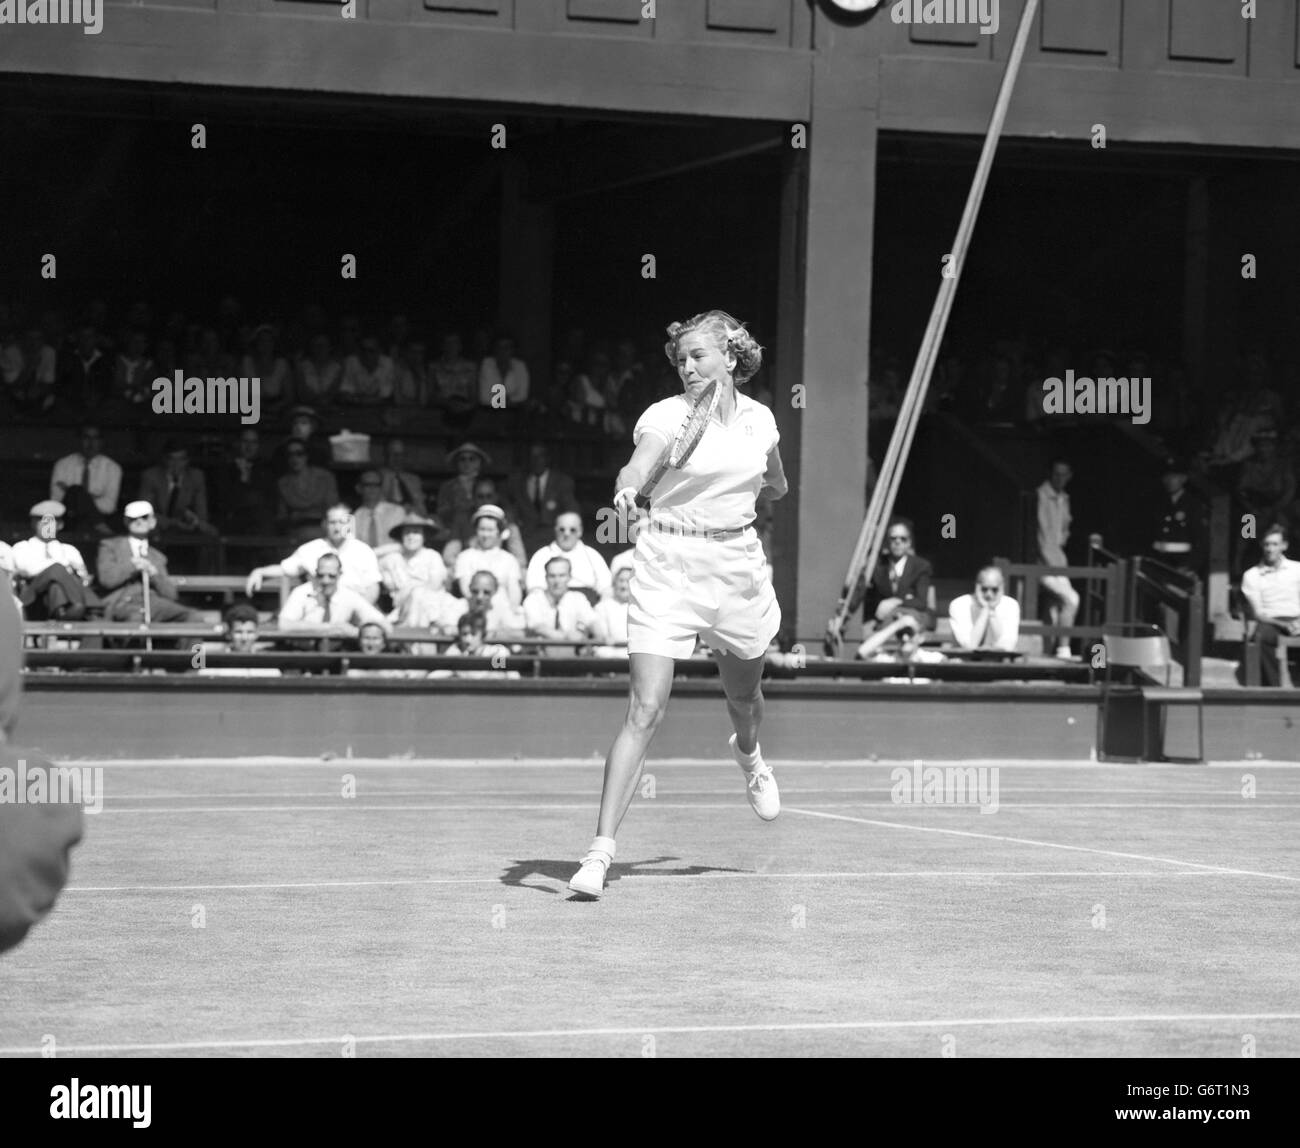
359,564
986,619
264,362
367,376
630,388
558,613
440,612
51,576
456,503
897,594
305,493
134,371
127,564
611,617
540,496
34,388
1266,486
623,560
324,604
411,383
319,373
397,484
244,489
485,494
374,518
180,489
305,428
241,637
1272,590
487,553
590,391
471,642
415,569
372,640
85,372
209,357
589,573
88,483
502,370
455,381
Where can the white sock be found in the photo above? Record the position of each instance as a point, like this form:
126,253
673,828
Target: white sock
747,760
603,845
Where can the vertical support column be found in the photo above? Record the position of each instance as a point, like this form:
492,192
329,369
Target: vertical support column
1196,263
788,397
839,214
526,269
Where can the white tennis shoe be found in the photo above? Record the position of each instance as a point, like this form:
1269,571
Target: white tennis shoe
761,787
589,880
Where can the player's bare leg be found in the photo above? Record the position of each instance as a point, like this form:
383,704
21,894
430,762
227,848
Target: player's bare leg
651,683
742,682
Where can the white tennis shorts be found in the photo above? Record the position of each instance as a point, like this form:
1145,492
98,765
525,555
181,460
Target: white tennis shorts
683,587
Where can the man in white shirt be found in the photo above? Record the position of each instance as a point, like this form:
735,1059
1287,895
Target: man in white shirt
87,482
985,619
360,566
557,612
374,518
611,617
326,605
502,369
1273,591
1053,533
589,573
53,579
367,377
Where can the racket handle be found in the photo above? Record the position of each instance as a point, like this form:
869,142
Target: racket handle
642,501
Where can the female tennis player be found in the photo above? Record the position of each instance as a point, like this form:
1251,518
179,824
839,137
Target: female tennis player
698,567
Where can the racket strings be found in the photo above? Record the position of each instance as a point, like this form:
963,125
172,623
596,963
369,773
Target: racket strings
688,438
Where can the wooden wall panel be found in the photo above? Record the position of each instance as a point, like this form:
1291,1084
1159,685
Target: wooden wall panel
1213,33
605,11
1090,27
749,15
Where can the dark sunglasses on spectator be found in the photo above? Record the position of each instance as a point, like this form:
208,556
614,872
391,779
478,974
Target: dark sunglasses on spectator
566,530
899,538
328,577
990,589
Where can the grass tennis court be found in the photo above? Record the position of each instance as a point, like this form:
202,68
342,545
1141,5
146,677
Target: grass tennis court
427,915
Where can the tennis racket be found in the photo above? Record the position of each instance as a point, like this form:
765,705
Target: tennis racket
685,442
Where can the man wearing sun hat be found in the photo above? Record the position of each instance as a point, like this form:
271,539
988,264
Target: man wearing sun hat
53,579
123,564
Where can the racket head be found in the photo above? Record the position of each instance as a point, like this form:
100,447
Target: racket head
697,422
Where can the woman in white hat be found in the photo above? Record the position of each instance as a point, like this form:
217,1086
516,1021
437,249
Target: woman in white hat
486,552
699,569
415,568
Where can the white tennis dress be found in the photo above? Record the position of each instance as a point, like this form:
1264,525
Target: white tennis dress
686,584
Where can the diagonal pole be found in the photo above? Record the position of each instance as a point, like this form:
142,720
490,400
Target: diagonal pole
881,506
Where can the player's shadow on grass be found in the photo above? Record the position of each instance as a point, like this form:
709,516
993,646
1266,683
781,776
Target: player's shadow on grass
518,872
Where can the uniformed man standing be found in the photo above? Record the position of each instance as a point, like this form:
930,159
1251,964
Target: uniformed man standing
1180,528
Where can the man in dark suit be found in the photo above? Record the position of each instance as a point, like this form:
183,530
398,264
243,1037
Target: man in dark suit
35,838
179,490
539,497
244,491
898,594
122,566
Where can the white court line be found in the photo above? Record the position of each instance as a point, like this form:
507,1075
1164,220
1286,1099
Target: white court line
685,1030
351,805
539,877
1045,845
1241,803
668,762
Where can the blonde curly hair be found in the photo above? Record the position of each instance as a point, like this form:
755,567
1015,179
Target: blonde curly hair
728,333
